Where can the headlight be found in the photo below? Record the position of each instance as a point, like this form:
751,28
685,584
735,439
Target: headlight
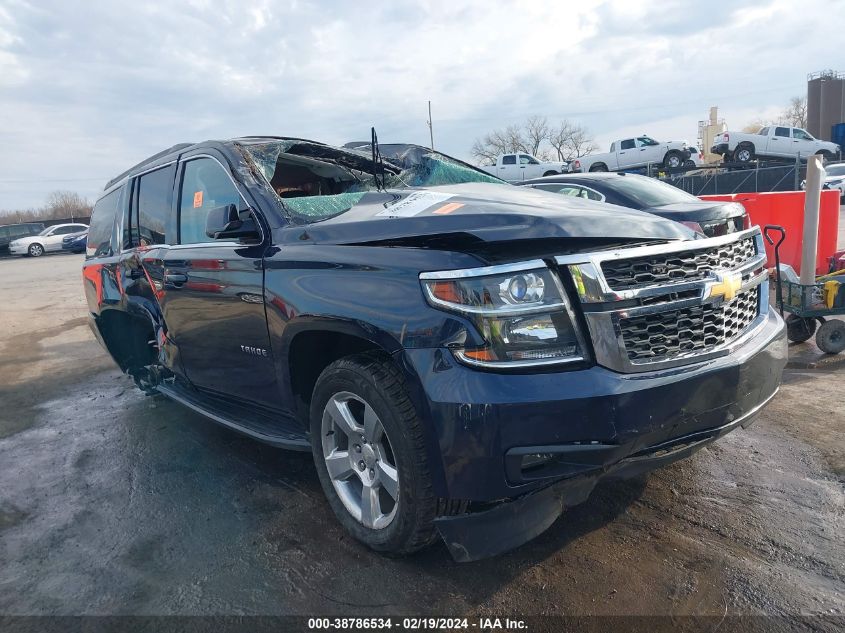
521,311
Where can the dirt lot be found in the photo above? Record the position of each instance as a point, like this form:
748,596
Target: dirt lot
116,503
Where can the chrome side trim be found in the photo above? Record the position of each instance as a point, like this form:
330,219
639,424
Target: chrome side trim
485,271
676,246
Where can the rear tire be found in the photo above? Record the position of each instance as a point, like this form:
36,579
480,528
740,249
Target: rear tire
831,336
361,414
35,250
827,156
551,172
598,167
799,329
744,153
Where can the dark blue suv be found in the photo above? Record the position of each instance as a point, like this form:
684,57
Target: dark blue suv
463,357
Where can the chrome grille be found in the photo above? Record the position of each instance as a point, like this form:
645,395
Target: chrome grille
677,267
664,305
693,330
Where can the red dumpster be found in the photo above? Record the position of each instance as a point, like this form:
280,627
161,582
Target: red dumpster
786,208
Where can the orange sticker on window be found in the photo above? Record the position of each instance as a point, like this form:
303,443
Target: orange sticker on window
448,208
197,199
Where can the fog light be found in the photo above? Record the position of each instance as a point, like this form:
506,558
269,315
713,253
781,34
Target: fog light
533,460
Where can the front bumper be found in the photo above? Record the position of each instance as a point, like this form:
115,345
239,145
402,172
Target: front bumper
19,250
481,422
508,525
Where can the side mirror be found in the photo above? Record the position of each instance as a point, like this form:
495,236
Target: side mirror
226,223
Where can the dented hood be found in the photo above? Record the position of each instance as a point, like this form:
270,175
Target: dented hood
488,212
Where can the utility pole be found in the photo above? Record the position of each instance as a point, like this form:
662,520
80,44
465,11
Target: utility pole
430,127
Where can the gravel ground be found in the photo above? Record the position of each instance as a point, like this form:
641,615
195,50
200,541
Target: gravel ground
116,503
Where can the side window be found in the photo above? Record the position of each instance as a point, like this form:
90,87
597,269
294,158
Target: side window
612,147
205,185
801,134
510,159
155,192
628,143
764,131
20,231
102,222
593,195
4,232
569,190
782,131
525,159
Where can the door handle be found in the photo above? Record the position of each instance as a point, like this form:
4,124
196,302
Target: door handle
175,279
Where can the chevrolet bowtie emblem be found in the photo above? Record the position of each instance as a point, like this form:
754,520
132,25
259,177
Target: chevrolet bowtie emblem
727,284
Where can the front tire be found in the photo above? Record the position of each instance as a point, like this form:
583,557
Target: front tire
368,446
35,250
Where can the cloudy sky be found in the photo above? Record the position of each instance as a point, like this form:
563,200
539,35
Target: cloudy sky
87,89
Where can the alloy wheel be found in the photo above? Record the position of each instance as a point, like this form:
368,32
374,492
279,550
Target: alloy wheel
360,460
35,250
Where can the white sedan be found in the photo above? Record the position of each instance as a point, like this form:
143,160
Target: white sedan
50,239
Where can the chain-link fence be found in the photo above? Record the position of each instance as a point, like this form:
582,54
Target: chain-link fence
717,180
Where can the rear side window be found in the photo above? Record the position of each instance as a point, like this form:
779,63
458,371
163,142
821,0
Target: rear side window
102,222
509,160
205,185
155,195
782,131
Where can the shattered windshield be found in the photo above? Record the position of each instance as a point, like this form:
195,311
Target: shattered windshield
315,182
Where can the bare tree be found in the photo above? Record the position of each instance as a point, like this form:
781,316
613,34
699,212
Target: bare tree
503,141
66,204
59,206
536,132
571,141
535,137
795,114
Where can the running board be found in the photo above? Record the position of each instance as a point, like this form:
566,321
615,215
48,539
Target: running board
257,425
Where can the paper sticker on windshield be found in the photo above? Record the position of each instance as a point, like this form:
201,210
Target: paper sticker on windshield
414,204
197,199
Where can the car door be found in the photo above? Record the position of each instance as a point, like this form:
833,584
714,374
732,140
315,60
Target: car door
802,142
628,153
213,290
780,143
648,151
53,240
529,167
508,168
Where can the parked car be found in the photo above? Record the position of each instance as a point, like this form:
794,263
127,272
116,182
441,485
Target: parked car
462,357
48,240
773,141
694,159
834,179
518,167
11,232
634,153
651,195
75,243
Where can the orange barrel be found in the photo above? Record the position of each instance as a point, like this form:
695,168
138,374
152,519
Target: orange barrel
786,208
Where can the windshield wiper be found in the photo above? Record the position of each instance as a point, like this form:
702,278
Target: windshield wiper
378,162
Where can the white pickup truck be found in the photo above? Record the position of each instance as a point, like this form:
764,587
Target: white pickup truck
773,141
633,153
519,167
